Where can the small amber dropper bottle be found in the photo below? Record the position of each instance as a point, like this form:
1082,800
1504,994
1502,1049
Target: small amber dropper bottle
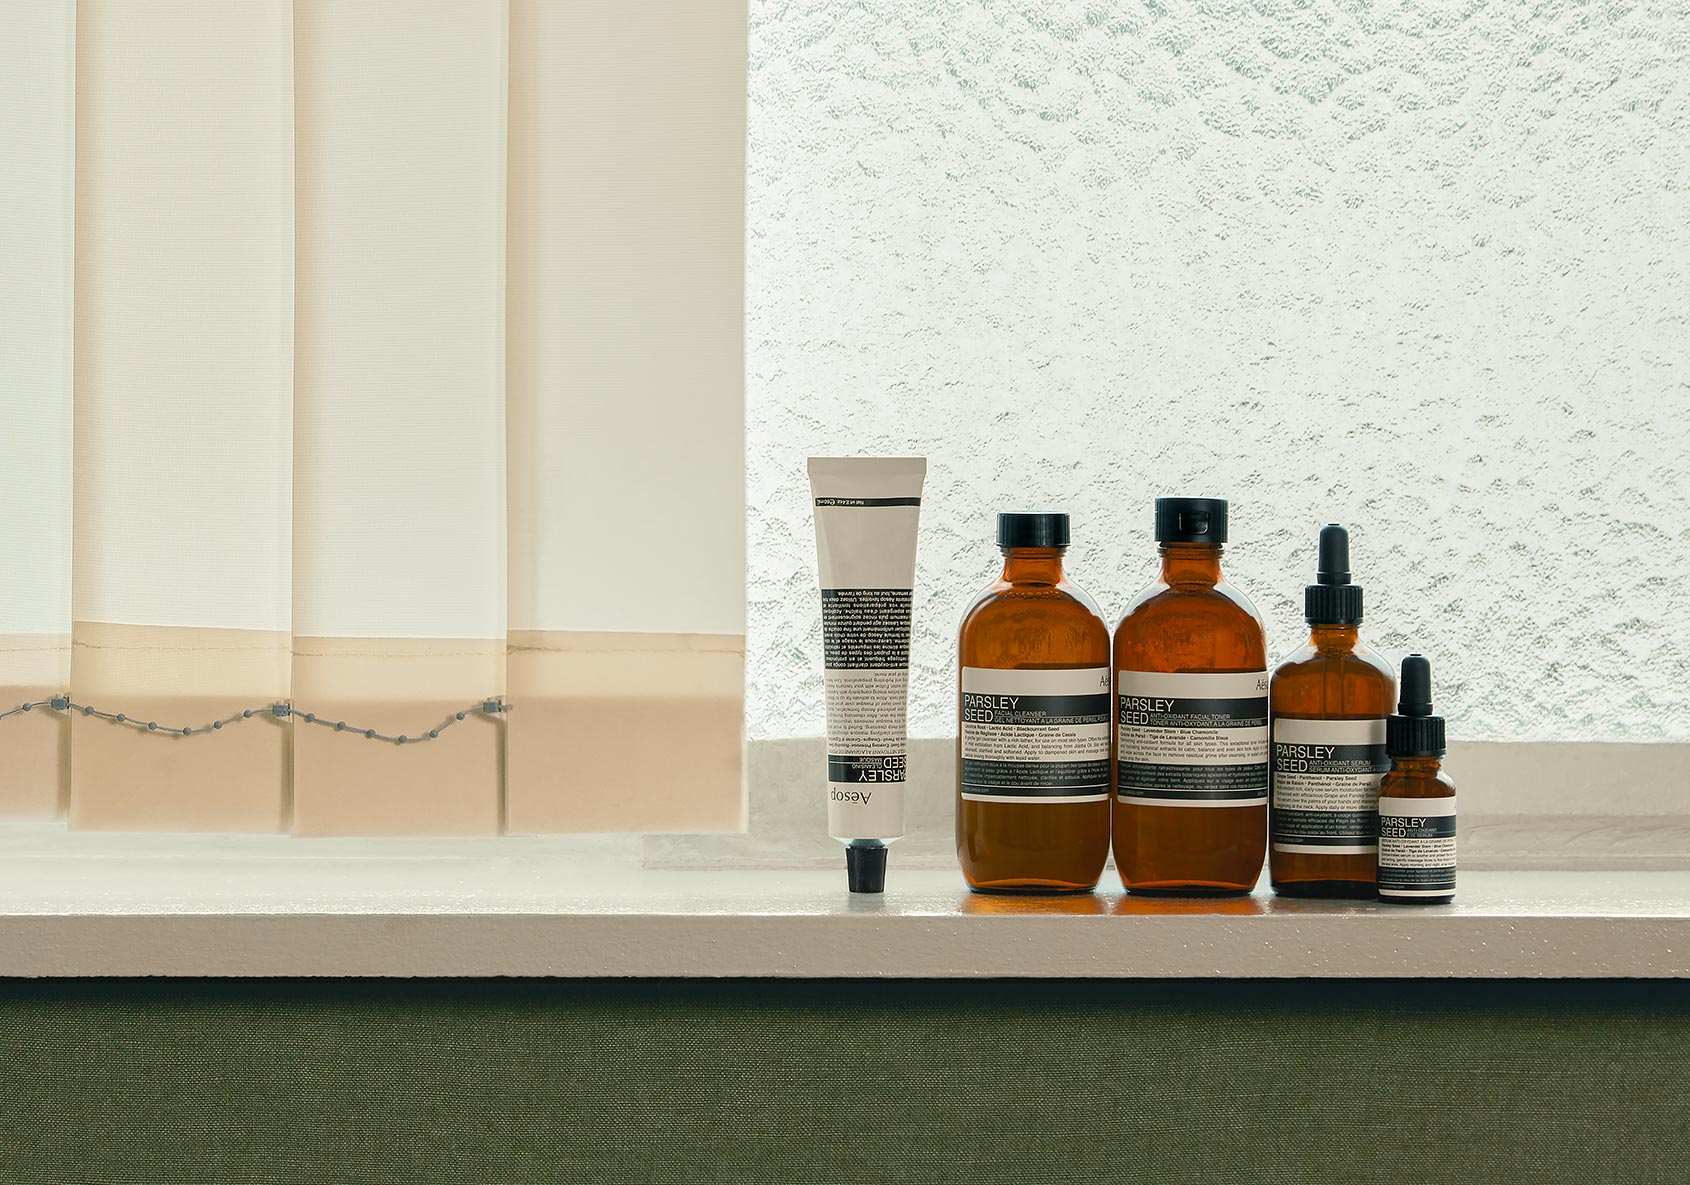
1330,700
1416,799
1032,810
1191,719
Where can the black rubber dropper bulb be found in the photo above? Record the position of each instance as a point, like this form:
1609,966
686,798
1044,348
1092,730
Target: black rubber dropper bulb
1414,731
1332,599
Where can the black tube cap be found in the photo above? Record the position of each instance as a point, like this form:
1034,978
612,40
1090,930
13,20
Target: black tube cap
1191,520
1332,599
865,867
1032,529
1414,731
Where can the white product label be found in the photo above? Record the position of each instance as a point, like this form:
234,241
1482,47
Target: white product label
1192,739
1035,736
1416,847
1326,785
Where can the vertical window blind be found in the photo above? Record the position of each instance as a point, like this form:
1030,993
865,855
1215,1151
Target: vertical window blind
407,349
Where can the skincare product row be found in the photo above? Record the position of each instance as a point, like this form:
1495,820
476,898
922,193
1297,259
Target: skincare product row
1169,744
1209,758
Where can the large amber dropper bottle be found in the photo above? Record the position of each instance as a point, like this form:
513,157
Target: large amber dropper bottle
1032,810
1330,700
1191,719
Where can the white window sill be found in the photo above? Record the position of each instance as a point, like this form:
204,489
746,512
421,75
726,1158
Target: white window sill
226,907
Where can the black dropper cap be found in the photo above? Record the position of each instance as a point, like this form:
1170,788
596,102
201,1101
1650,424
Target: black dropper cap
1332,599
1032,529
865,867
1191,520
1414,731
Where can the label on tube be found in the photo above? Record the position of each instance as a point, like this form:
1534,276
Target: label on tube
867,511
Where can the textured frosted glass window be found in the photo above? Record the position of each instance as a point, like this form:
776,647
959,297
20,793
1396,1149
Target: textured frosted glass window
1419,269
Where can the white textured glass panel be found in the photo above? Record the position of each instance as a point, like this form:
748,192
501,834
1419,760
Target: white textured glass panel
1420,270
37,171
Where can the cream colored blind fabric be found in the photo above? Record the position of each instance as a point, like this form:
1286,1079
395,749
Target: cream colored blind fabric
399,550
626,415
37,167
184,371
256,403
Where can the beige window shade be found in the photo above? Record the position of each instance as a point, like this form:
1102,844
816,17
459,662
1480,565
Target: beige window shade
271,492
399,494
37,167
184,359
627,141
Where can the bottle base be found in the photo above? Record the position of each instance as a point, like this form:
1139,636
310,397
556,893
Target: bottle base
1034,889
1416,900
1353,890
1190,890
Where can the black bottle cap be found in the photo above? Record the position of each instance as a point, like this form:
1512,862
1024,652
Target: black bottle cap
1332,599
1191,520
865,867
1414,731
1032,529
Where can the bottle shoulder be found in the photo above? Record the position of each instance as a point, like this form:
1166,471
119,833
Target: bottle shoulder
1310,661
1409,783
1315,683
1033,625
1159,601
1205,627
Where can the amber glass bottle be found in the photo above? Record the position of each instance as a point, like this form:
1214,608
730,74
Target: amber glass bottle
1191,719
1033,722
1329,700
1416,799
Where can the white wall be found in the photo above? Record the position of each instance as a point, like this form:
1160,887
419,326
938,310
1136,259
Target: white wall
1420,271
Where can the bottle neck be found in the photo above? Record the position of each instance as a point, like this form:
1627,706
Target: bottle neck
1032,565
1428,766
1334,639
1191,563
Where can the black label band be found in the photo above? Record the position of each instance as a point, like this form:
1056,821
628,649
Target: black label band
880,768
868,501
1164,712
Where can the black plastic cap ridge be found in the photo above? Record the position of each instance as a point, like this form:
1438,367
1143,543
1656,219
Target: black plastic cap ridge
1413,731
1333,599
1191,520
1032,529
865,868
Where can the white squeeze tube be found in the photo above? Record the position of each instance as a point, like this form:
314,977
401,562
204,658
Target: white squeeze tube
867,511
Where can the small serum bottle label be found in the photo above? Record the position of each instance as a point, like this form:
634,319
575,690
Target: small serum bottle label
1035,736
1416,847
1326,785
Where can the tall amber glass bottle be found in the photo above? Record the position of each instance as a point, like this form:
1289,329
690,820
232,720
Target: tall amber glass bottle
1032,812
1191,719
1329,700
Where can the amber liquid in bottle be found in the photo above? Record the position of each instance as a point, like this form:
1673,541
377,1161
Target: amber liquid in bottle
1329,700
1416,799
1191,621
1334,677
1032,620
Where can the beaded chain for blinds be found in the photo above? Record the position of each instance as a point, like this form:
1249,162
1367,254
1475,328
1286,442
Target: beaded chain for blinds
62,704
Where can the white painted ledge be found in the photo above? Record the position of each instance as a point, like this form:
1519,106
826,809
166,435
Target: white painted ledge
127,906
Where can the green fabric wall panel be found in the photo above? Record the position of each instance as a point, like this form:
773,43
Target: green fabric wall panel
754,1081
